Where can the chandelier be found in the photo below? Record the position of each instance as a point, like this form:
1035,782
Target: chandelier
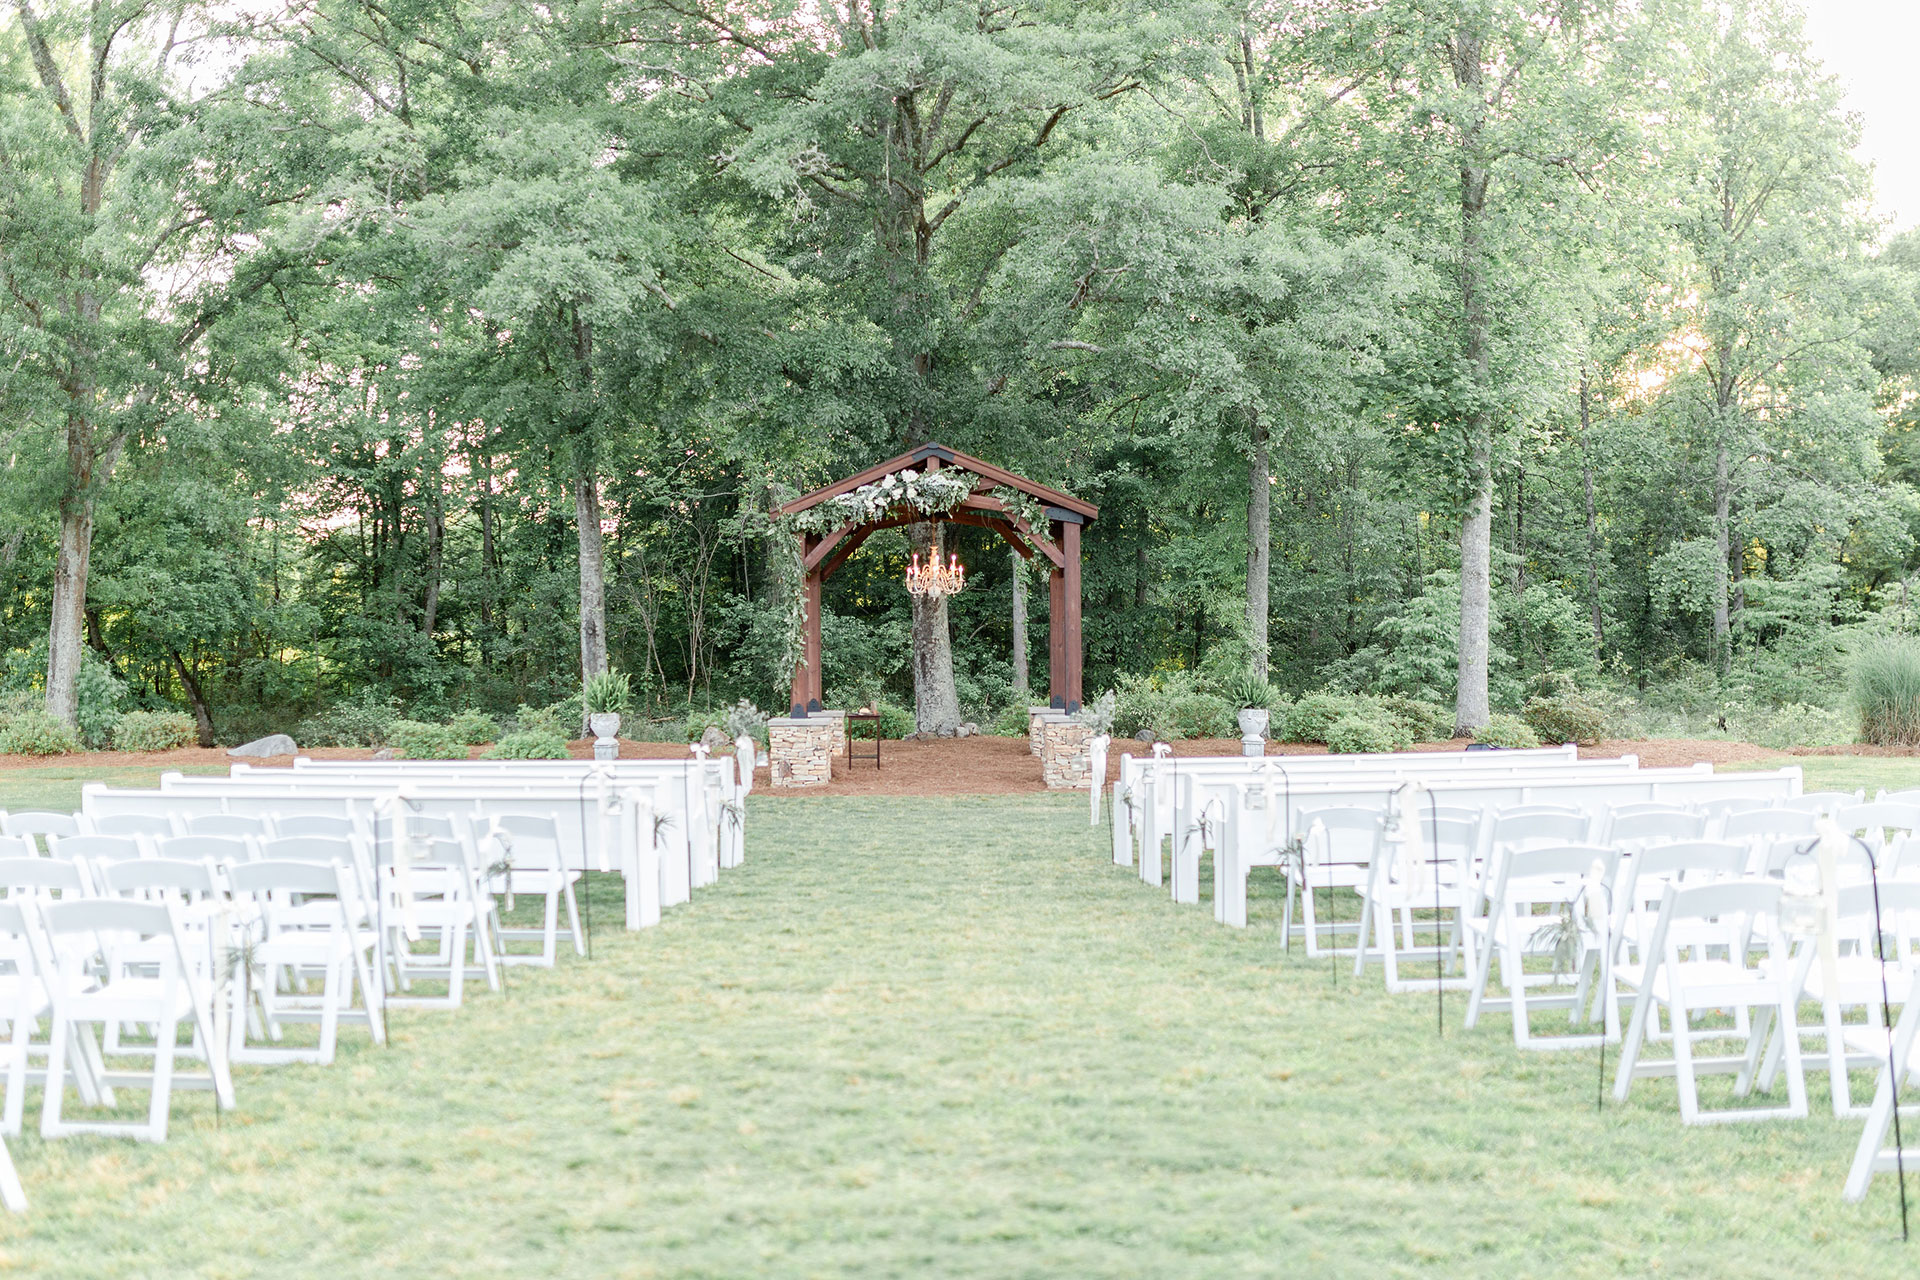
935,580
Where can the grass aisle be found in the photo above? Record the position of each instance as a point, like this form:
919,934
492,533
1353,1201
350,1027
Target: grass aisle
945,1037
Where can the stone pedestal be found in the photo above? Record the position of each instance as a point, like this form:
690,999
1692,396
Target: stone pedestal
1253,746
1065,763
1033,727
606,748
837,720
800,752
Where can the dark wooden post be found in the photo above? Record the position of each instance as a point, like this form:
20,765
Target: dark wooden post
1057,623
1070,587
806,672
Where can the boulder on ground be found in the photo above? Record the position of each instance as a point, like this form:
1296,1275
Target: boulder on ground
274,744
715,740
1144,735
384,753
967,730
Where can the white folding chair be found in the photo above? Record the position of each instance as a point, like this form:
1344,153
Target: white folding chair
1823,803
523,858
43,878
1569,881
315,824
1651,826
1861,979
146,826
1730,973
116,961
217,850
1878,821
1751,825
1337,853
1897,1065
95,851
432,890
232,826
1639,887
1431,870
302,920
23,1002
31,823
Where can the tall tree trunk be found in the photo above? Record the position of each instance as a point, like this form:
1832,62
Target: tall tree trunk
1593,520
1471,708
202,717
436,544
936,701
1020,673
1259,545
68,629
1723,543
593,575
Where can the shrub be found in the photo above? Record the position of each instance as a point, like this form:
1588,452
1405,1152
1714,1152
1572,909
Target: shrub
1798,724
1011,722
100,694
1565,717
561,718
1309,719
1506,731
746,721
1886,691
896,721
154,731
1359,731
359,723
1419,720
1098,714
529,744
413,740
473,727
35,733
1201,715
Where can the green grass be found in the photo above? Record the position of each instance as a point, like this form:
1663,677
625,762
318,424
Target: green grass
946,1038
57,786
1846,773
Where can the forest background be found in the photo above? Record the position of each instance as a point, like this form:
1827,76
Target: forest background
368,358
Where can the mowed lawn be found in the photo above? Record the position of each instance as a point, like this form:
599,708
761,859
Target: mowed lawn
937,1038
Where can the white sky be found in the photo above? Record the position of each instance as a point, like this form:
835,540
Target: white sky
1870,45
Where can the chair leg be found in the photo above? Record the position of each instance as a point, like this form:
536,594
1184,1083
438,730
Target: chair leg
159,1105
1683,1063
573,911
12,1194
53,1096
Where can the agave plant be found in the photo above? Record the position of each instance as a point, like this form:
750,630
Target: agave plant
1249,691
609,693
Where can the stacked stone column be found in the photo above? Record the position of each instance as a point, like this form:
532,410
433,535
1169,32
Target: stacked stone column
800,752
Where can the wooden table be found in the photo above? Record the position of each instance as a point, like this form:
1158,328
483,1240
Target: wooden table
863,717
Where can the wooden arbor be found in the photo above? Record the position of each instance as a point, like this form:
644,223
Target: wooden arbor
1059,542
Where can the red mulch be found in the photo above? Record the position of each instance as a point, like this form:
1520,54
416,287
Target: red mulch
960,766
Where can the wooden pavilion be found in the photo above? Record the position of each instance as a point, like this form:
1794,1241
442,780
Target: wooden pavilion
1059,541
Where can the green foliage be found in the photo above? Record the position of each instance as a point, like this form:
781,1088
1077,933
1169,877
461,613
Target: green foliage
1309,719
1247,691
609,693
897,721
1359,731
154,731
473,727
359,722
1010,722
1418,720
1507,731
1098,714
101,696
1886,691
415,740
529,744
1172,705
1563,714
559,719
745,720
35,733
1796,724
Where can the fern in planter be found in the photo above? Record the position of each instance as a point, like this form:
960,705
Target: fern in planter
608,694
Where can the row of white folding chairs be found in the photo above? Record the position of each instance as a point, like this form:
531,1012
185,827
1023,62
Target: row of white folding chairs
1250,825
45,826
688,824
646,836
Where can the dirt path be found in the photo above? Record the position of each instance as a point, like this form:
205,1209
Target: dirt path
958,766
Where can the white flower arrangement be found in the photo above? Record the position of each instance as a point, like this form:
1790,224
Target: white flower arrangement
927,492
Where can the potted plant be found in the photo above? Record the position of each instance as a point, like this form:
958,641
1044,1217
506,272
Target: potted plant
606,696
1253,695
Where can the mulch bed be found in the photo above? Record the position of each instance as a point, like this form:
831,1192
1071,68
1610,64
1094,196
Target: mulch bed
960,766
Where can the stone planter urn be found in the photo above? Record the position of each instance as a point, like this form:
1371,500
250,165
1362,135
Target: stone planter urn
1253,731
605,726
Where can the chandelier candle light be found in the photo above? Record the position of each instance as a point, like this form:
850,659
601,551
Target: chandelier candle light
934,579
